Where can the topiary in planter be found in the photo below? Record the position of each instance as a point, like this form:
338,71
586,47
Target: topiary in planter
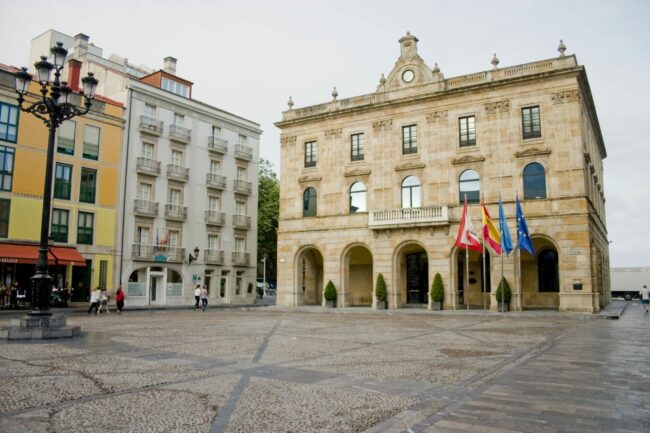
330,291
503,290
380,289
437,292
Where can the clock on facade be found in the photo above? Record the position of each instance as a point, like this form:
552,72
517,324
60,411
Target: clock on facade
408,76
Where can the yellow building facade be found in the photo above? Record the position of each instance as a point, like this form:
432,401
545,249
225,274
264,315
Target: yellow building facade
85,192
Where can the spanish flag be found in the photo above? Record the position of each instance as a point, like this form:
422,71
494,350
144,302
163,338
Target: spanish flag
490,233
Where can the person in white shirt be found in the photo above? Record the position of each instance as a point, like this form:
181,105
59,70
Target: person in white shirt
197,296
645,298
94,301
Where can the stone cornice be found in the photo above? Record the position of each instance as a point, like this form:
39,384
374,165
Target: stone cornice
410,165
533,151
357,172
468,159
310,178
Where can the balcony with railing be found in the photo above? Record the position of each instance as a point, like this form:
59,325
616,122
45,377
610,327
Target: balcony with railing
146,208
157,253
217,145
242,186
147,166
244,152
175,212
241,259
217,181
409,217
215,218
241,221
179,134
213,257
177,172
150,125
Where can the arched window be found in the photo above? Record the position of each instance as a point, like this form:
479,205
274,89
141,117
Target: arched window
548,276
357,197
469,186
410,192
309,202
534,181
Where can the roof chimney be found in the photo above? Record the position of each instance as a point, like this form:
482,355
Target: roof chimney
80,45
74,72
169,65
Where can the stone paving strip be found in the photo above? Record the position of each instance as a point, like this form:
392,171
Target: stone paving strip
278,371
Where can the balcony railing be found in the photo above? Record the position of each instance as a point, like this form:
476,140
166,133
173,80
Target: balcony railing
213,257
241,221
218,145
241,259
244,152
180,134
147,166
215,218
175,212
145,208
217,181
151,125
157,253
242,186
421,216
177,172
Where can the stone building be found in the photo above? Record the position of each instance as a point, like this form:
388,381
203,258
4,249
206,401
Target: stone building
375,184
187,211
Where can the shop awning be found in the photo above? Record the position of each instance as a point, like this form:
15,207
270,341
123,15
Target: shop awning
16,253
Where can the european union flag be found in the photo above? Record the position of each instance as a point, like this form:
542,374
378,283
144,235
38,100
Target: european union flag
523,237
506,241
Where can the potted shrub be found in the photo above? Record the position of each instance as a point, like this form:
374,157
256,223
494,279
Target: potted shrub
503,294
437,293
381,293
330,295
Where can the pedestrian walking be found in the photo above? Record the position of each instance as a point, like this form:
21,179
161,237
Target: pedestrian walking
197,296
13,297
103,301
204,298
119,299
645,298
94,300
21,295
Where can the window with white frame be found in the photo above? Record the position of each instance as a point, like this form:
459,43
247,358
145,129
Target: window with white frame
214,203
215,166
144,191
177,158
213,242
147,150
174,197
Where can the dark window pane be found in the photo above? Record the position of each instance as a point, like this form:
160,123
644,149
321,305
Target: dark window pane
534,181
531,123
309,207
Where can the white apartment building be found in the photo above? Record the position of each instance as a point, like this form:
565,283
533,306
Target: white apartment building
188,198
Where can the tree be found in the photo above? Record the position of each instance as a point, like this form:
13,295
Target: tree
268,206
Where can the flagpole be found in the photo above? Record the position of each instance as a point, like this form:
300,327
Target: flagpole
467,277
500,281
484,271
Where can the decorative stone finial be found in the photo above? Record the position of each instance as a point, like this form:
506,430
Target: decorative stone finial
495,60
382,80
436,69
290,103
408,33
334,93
561,48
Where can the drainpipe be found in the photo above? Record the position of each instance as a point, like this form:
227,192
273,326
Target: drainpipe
126,175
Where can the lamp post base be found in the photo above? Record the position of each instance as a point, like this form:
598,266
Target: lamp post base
39,328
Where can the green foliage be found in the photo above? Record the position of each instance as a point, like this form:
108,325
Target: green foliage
268,205
380,289
437,292
504,288
330,291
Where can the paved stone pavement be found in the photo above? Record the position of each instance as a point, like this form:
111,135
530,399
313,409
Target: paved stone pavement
272,370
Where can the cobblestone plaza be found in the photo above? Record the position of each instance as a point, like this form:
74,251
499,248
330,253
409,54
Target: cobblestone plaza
312,370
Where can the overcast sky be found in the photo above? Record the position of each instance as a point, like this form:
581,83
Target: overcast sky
248,57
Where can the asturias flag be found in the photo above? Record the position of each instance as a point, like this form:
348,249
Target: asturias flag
506,241
467,237
490,233
523,237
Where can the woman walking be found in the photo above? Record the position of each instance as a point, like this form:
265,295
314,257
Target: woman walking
94,301
119,299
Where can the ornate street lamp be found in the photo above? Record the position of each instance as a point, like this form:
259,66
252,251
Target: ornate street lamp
53,108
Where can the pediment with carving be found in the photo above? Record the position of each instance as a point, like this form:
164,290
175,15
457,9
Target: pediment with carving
357,172
468,159
533,151
310,178
411,165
